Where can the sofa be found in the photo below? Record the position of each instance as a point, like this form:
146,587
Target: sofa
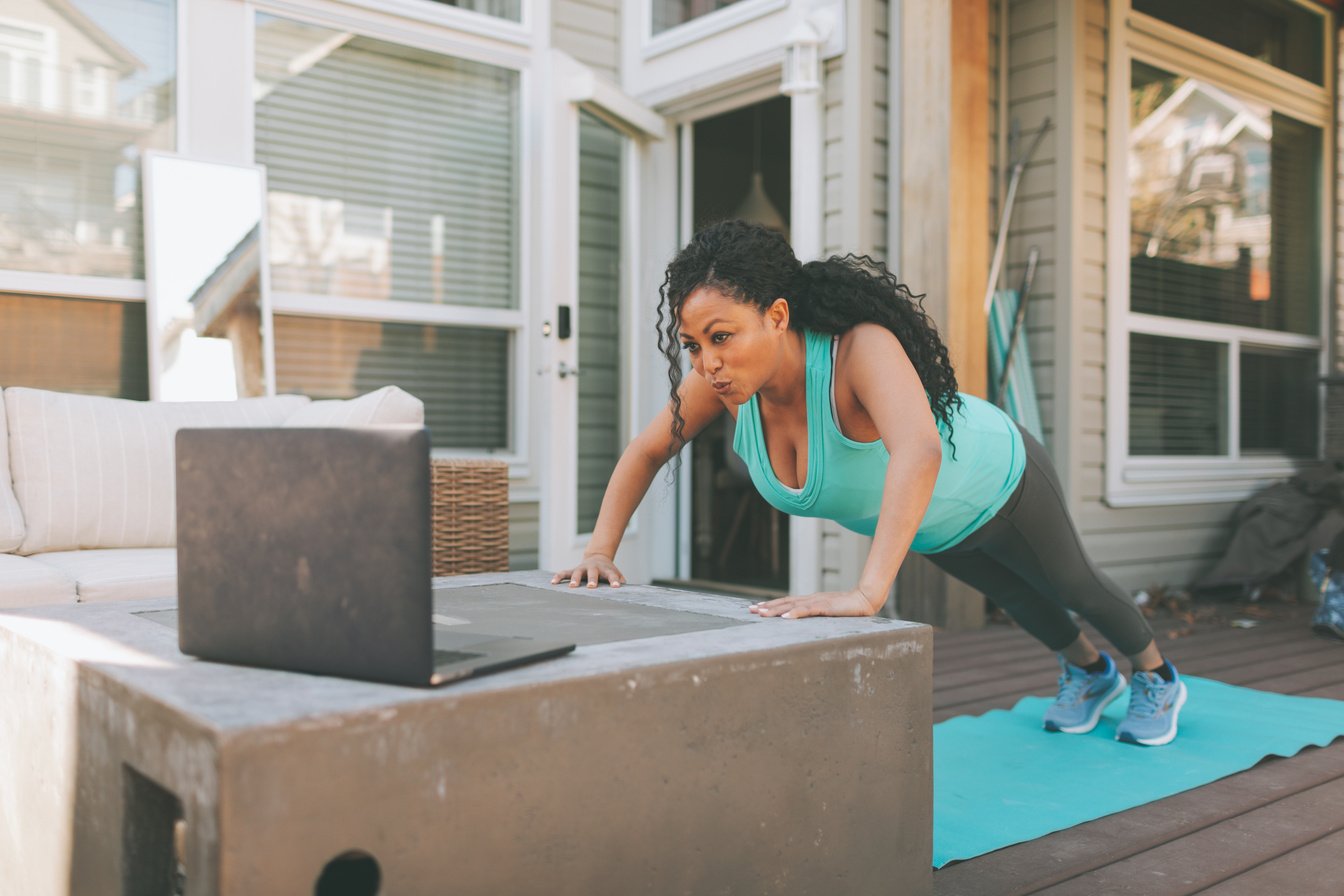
87,503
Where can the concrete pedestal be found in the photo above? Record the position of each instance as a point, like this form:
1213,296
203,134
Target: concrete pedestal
686,747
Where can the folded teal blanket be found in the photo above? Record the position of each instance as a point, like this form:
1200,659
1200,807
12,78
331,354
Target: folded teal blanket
1000,779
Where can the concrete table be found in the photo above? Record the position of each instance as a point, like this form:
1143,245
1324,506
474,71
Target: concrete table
686,747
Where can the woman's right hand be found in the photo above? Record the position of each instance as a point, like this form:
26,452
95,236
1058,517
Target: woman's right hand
594,568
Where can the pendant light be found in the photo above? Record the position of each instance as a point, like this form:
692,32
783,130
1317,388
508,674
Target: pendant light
757,207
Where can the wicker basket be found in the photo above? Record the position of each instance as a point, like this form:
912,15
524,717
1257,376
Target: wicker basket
469,516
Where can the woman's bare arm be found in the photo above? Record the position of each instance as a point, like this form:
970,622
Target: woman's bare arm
638,465
889,388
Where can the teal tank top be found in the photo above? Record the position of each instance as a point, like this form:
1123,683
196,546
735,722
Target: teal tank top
845,478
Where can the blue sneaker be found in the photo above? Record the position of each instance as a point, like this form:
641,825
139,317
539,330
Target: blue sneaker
1154,705
1082,696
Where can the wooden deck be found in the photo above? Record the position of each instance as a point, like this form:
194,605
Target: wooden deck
1274,830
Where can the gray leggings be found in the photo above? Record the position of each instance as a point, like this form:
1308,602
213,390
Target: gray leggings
1029,560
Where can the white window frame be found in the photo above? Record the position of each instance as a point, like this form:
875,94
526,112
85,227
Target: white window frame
699,27
807,188
718,48
394,18
1142,480
445,38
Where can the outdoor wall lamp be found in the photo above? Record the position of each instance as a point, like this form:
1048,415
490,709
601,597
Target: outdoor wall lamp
802,53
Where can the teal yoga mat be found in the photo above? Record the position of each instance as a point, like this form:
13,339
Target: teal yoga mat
1000,779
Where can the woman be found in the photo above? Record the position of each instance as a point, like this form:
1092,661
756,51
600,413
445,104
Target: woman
847,408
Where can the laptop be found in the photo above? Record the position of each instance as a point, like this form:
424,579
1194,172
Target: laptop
308,550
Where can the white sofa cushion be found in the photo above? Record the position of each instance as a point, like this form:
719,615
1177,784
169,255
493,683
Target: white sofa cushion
26,583
116,574
93,472
11,517
386,405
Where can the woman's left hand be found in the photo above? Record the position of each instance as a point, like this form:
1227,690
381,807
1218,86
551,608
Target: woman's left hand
823,603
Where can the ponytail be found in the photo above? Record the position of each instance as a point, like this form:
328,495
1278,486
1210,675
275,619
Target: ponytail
834,295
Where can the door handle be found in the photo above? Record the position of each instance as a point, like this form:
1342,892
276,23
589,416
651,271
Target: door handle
565,370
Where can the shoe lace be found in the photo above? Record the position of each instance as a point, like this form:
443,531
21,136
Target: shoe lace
1071,687
1146,696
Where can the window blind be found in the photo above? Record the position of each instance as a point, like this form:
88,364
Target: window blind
110,358
393,172
461,374
600,441
392,175
1177,396
1225,202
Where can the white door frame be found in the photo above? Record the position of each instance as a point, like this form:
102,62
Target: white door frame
671,556
574,88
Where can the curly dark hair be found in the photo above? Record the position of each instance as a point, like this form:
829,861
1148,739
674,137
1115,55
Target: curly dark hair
754,265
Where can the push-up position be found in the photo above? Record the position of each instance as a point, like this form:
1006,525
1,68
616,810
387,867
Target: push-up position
847,408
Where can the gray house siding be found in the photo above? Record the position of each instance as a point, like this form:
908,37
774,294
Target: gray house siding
856,148
833,558
834,144
856,190
1031,97
589,30
880,145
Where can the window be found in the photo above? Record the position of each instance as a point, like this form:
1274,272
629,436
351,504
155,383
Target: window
1218,349
462,375
1225,213
69,185
503,9
36,333
393,198
1283,33
666,45
670,13
1177,396
1225,207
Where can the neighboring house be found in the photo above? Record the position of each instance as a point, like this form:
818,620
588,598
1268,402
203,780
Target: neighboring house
64,128
476,200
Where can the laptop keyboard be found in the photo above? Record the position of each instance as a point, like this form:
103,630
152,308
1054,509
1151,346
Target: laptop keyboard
444,657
